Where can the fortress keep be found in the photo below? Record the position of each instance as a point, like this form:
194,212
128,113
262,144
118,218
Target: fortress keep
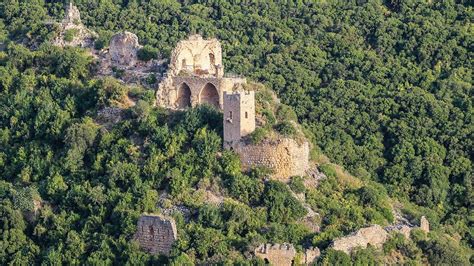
195,76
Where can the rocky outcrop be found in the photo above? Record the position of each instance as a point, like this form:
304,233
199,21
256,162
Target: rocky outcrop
123,48
156,234
374,235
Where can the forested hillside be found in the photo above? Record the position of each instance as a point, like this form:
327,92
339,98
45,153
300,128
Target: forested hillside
383,88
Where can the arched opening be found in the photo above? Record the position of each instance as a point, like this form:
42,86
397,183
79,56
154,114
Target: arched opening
184,96
209,95
267,262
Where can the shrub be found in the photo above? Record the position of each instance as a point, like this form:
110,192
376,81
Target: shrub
335,257
118,73
369,196
286,129
258,135
147,53
269,117
151,79
297,184
286,113
70,34
328,170
446,251
282,206
363,257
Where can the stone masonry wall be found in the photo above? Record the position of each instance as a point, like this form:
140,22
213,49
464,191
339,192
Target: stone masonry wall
284,156
284,254
197,55
195,62
374,235
156,234
277,255
167,93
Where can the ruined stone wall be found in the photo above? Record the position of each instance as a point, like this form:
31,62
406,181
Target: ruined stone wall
278,255
424,224
82,37
374,235
284,156
168,90
73,16
284,254
156,234
123,48
239,115
196,55
196,63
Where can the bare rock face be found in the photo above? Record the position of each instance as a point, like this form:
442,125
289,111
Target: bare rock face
374,235
156,234
424,224
123,48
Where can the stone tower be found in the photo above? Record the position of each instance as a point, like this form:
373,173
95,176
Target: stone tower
239,116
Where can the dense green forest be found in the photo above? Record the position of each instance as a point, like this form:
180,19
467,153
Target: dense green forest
382,88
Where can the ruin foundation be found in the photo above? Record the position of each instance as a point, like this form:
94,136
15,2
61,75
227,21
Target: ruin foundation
156,234
285,157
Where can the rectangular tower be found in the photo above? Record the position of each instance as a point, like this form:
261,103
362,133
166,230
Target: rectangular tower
239,116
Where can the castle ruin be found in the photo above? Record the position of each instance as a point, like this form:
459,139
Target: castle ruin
373,235
195,76
123,48
285,254
72,25
156,234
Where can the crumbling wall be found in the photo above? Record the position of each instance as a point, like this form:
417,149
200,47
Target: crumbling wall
167,93
82,37
123,48
374,235
284,156
156,234
311,255
424,224
284,254
277,255
197,55
195,62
